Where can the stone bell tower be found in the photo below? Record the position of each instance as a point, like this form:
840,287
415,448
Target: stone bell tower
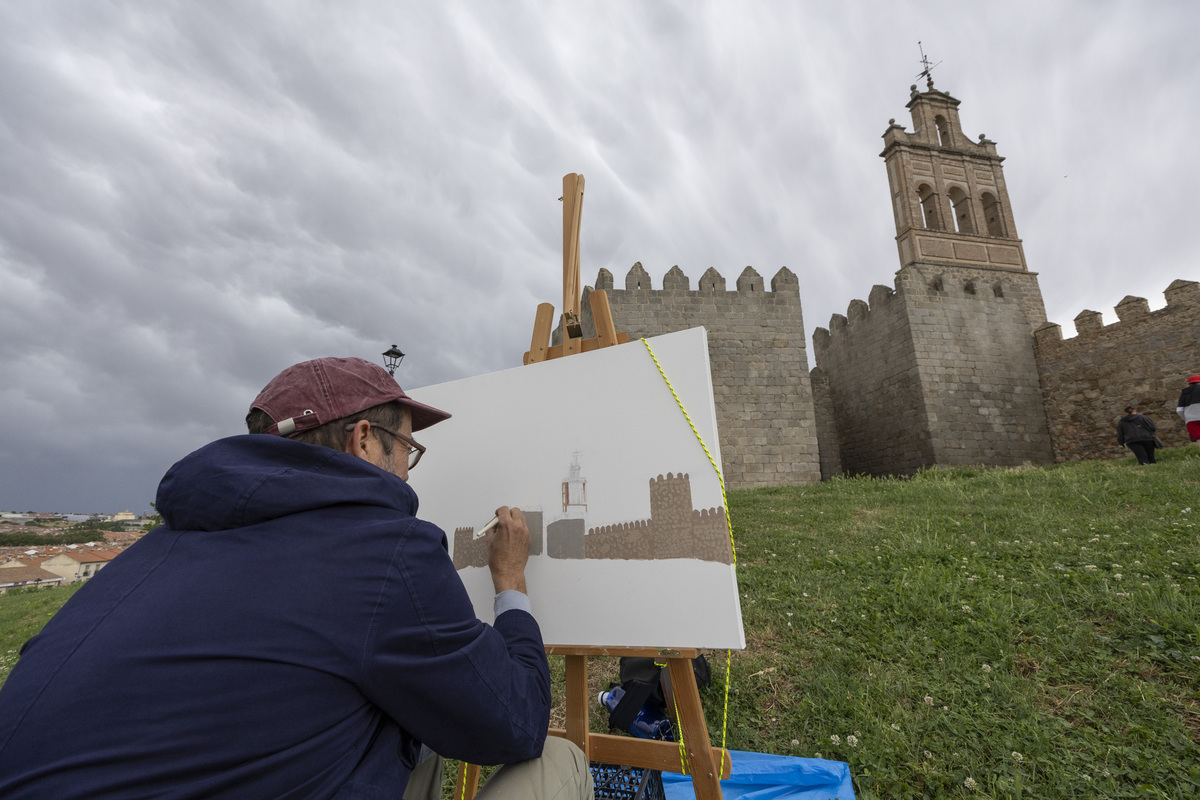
940,369
950,202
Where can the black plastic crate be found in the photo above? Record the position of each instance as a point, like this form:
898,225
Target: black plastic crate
615,782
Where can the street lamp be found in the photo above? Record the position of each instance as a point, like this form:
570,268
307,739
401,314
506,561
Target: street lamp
391,359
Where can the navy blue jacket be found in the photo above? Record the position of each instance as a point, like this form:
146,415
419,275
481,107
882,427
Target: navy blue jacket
291,631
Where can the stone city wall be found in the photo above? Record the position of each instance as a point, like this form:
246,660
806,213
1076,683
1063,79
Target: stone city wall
827,437
939,370
1144,359
869,364
973,337
759,362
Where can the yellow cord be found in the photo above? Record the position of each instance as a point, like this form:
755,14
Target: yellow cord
732,548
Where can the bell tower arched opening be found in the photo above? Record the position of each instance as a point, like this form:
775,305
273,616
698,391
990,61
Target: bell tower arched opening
943,131
961,201
992,215
928,198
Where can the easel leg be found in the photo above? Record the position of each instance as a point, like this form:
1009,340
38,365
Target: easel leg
468,781
693,729
577,702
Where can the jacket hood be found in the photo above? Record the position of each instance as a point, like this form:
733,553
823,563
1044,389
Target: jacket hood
249,479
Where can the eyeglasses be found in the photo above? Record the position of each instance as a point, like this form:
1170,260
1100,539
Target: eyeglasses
415,451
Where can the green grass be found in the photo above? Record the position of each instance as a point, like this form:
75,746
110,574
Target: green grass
23,612
1036,631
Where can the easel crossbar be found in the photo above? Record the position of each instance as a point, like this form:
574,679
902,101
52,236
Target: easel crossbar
643,753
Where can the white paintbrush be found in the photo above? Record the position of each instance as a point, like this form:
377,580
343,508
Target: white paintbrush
479,533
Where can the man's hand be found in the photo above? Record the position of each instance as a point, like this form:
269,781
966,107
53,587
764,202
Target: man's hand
508,550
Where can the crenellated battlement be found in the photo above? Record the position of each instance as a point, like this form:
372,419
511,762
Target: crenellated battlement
915,287
1142,359
677,283
756,348
1180,295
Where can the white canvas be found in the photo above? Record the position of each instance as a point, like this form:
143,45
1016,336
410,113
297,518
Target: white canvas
513,440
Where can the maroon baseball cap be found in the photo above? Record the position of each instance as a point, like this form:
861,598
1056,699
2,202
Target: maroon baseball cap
312,393
1194,379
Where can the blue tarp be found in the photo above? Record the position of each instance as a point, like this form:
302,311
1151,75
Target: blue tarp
761,776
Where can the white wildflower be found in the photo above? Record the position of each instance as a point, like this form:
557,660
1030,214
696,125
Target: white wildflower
837,740
986,668
970,783
1017,757
852,741
928,700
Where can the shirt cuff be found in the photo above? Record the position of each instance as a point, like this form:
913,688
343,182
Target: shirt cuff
511,600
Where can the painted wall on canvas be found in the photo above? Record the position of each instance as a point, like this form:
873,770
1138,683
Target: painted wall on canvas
630,540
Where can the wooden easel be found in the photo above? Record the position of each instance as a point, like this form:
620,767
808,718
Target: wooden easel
699,758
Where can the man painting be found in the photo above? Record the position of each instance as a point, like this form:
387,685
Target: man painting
292,630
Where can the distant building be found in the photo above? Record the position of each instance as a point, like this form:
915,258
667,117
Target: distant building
75,566
15,576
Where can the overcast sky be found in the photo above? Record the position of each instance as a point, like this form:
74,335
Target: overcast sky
196,195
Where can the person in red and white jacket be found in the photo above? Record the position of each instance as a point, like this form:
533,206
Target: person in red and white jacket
1188,407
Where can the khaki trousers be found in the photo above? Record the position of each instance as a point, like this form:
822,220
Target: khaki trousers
560,774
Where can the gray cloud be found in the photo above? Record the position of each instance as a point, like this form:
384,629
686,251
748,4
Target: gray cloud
193,196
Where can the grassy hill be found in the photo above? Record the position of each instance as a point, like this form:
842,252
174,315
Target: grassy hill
963,633
1036,631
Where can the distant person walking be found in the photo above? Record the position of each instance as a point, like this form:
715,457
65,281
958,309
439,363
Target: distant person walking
1188,407
1136,431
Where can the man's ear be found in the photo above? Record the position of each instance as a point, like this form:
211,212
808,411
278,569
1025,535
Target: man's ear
356,439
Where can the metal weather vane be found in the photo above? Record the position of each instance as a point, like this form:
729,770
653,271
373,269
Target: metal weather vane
927,72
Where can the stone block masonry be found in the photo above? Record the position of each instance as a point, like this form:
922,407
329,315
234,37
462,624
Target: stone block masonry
759,360
1143,359
869,363
939,370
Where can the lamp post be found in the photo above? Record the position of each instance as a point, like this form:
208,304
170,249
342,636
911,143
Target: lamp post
391,359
